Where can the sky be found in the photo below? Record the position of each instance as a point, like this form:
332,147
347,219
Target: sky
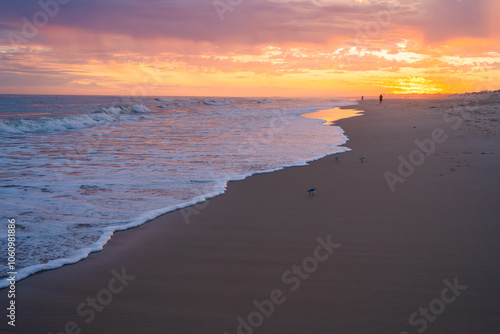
316,48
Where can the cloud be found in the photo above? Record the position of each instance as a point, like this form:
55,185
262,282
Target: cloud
107,23
249,23
90,85
449,19
110,42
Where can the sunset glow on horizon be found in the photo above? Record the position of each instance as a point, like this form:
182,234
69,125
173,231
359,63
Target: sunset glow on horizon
249,48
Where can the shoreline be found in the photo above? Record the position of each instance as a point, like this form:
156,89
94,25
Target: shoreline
147,217
396,248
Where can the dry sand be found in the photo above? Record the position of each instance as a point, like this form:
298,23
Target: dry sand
396,248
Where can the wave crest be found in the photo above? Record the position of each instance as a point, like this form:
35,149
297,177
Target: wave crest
70,122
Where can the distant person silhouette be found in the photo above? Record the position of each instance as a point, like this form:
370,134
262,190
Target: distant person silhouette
362,98
381,97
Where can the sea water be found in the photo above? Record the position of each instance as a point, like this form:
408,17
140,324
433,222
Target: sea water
75,169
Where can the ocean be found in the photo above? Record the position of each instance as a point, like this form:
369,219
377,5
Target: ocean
75,169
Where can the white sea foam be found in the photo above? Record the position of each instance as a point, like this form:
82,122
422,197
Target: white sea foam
70,122
263,101
212,102
71,190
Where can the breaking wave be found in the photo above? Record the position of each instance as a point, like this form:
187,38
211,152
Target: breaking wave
63,123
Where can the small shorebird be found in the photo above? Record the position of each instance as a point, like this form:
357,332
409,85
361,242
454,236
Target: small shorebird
337,159
362,159
311,191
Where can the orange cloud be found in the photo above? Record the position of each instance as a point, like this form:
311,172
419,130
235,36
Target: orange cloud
261,47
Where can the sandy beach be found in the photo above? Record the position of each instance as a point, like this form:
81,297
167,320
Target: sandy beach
406,241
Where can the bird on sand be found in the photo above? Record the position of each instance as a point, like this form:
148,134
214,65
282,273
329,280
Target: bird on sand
337,159
362,159
311,191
